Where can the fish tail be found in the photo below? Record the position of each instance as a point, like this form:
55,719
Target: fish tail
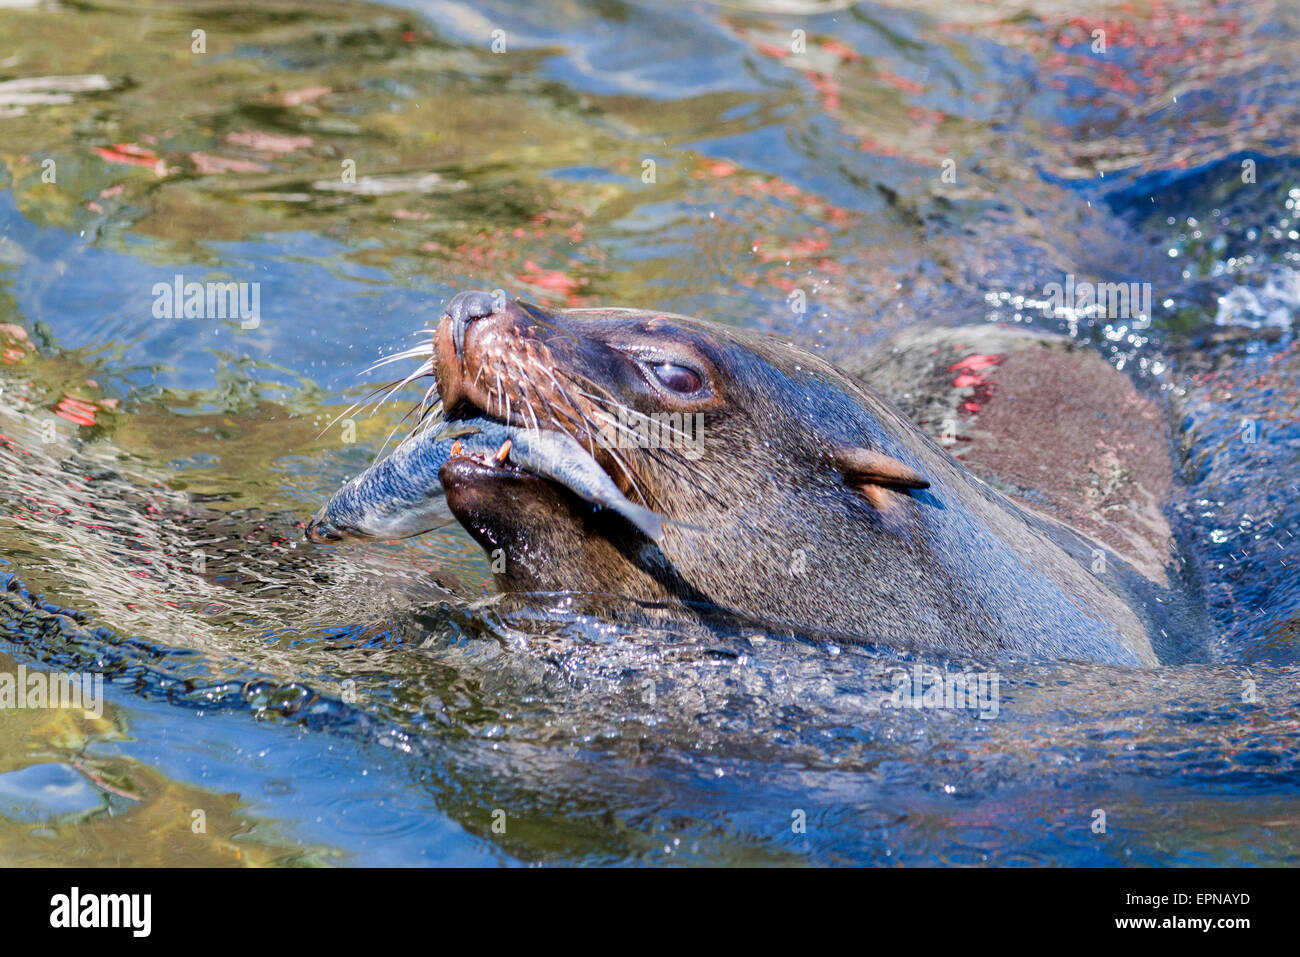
651,524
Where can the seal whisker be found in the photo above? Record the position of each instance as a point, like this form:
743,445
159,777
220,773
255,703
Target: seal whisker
551,413
620,428
414,353
523,387
620,407
423,370
563,393
587,427
559,389
355,405
525,391
670,457
670,460
617,459
497,395
590,429
419,422
425,406
338,418
432,418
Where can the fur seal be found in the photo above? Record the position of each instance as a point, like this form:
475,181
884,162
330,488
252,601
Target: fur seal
794,496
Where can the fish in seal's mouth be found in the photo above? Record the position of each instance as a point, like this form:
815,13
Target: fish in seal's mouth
497,409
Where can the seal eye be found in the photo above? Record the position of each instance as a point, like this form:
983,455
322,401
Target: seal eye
677,378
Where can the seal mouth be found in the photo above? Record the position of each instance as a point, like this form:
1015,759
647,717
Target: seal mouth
494,359
484,466
498,386
496,463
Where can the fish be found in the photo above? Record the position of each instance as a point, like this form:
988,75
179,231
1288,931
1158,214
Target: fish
401,495
558,457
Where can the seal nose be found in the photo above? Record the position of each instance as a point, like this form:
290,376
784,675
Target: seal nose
463,309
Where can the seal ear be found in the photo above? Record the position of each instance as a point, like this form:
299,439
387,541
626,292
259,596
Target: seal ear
875,475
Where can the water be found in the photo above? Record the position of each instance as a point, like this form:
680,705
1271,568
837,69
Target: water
375,705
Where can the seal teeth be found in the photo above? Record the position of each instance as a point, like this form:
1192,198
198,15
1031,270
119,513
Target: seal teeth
455,447
502,452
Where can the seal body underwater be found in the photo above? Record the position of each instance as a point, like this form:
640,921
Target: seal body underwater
792,496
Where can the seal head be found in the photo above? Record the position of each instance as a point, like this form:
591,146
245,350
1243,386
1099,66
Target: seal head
794,496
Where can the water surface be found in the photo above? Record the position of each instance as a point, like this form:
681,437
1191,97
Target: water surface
375,706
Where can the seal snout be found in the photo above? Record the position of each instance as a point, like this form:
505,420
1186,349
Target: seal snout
482,368
497,359
463,309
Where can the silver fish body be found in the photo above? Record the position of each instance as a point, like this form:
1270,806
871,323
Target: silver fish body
558,457
401,495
